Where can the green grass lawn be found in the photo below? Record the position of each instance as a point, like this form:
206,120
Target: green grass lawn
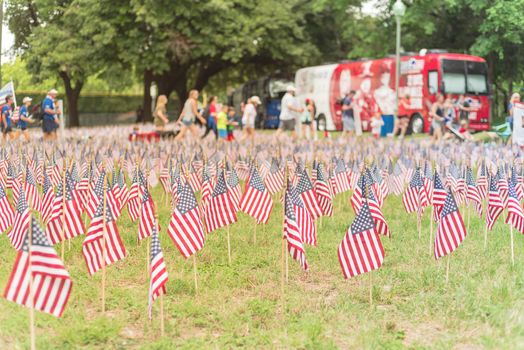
241,306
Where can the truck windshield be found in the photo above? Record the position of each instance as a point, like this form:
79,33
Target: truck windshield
460,77
476,77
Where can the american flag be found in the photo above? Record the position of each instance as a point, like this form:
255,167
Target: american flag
20,223
451,230
100,238
381,226
308,195
502,184
517,183
219,210
428,182
361,250
194,179
495,205
515,214
158,272
207,185
112,200
48,200
185,227
396,182
292,234
147,216
124,192
33,197
164,177
257,201
233,185
356,197
473,193
323,190
96,196
133,202
304,220
341,177
482,181
50,286
415,197
73,226
275,179
439,195
6,211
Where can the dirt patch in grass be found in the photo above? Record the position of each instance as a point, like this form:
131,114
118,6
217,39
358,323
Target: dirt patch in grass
424,334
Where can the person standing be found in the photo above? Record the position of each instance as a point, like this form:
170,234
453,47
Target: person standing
249,117
211,115
308,116
514,99
6,117
160,114
188,116
24,118
402,122
289,110
50,120
348,118
437,117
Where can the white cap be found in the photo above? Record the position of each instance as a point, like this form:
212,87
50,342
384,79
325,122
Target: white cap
290,88
27,99
255,99
52,92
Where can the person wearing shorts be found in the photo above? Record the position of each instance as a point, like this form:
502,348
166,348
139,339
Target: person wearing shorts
249,117
188,116
348,119
222,122
49,119
24,119
6,117
402,122
289,112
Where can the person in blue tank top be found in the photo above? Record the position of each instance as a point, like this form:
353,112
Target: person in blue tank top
24,118
6,117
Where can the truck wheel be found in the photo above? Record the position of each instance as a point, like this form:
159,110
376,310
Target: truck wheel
321,123
416,124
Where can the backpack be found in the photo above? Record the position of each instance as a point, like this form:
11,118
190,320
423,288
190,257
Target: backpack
205,113
38,112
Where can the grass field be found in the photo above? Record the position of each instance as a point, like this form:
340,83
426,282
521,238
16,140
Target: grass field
241,306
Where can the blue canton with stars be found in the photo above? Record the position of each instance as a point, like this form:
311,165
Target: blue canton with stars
363,222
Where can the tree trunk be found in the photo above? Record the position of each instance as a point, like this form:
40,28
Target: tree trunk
146,102
72,95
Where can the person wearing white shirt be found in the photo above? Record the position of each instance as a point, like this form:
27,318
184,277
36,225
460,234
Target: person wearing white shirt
249,117
290,111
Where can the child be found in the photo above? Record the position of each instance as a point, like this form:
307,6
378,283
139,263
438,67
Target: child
463,130
231,123
376,125
222,122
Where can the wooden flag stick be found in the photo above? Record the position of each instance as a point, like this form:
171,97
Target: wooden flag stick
512,249
370,288
228,246
447,268
469,215
485,236
255,233
104,249
32,330
431,229
195,273
62,231
162,315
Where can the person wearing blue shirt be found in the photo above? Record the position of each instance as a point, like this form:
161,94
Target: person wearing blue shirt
6,117
50,116
24,118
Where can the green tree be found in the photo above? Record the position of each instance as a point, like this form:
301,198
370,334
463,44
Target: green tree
61,38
